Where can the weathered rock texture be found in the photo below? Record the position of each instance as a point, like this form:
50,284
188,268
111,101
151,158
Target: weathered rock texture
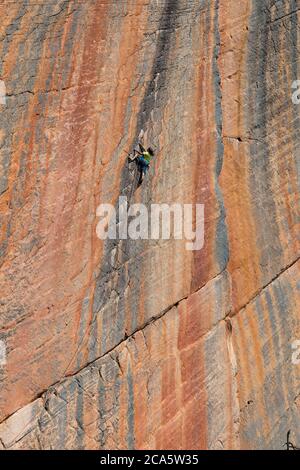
142,344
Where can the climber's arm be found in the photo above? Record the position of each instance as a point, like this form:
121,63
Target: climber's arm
135,154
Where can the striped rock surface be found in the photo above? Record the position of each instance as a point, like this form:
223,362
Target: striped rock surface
141,343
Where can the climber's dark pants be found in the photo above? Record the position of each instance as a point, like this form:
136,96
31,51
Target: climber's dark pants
143,164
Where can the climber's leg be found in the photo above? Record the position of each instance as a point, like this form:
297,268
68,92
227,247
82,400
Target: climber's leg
144,167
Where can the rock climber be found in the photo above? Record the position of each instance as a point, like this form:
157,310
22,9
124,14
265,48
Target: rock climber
143,158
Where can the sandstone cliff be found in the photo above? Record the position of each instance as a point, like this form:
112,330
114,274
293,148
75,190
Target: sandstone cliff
142,344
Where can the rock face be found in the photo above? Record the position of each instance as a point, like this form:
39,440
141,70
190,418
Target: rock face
134,344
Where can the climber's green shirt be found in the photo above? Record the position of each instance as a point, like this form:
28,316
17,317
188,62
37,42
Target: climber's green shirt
147,156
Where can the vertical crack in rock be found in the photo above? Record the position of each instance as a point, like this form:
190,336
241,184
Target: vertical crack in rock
121,263
130,410
294,37
222,243
154,92
262,82
234,388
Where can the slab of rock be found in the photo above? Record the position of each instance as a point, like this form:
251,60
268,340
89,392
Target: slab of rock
141,343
